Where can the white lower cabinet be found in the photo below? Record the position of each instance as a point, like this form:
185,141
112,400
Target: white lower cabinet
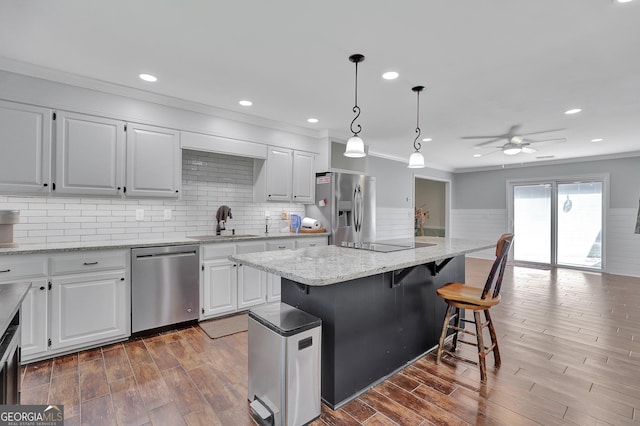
33,325
219,290
252,283
273,281
87,309
228,287
77,300
252,287
273,288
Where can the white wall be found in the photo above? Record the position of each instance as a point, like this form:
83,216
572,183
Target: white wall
209,181
480,210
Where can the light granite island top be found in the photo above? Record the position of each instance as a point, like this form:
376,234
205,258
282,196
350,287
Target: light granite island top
320,266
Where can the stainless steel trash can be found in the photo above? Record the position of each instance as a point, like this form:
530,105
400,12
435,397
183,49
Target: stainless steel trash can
284,365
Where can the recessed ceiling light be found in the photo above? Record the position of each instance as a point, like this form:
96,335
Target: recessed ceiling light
623,1
427,140
391,75
477,155
572,111
312,120
245,103
148,77
597,140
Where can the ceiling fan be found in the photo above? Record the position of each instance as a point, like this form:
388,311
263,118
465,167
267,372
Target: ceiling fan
516,142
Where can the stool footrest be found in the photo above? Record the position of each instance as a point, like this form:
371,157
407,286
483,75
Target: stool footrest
463,330
461,358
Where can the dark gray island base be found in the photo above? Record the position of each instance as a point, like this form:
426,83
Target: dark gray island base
372,326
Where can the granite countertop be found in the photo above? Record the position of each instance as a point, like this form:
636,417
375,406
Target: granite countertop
126,244
318,266
11,296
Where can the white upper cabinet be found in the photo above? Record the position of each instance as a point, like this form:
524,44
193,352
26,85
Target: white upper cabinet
89,155
286,175
304,185
279,168
153,161
25,144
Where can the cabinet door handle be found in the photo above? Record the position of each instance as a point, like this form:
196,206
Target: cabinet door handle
41,287
6,270
312,245
282,247
90,263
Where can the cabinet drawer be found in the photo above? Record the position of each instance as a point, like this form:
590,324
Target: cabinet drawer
212,251
250,247
18,267
311,242
87,262
281,245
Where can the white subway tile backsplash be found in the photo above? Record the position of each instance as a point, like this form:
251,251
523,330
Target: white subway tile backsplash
209,181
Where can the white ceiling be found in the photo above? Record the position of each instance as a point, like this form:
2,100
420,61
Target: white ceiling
486,65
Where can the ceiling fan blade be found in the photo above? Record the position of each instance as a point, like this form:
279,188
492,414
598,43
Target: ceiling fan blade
487,147
529,141
542,131
481,137
489,141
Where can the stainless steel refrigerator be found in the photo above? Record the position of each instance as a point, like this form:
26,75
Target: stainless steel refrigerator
346,207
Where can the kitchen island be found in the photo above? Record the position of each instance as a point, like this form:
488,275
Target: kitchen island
379,311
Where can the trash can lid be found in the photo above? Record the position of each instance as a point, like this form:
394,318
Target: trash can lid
284,319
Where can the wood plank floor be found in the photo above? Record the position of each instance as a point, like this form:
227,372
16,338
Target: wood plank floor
570,345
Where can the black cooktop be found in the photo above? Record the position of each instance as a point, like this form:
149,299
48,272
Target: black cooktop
387,246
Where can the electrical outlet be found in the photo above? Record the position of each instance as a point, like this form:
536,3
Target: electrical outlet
139,214
167,214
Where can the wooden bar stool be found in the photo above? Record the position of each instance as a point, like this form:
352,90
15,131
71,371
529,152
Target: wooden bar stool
460,296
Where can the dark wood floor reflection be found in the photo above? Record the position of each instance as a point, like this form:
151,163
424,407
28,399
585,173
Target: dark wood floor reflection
570,344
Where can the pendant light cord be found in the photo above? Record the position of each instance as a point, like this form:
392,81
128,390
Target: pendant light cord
417,145
356,108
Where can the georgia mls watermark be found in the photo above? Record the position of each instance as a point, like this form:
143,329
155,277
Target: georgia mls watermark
31,415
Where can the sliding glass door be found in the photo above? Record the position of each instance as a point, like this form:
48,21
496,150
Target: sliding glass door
532,223
579,216
558,222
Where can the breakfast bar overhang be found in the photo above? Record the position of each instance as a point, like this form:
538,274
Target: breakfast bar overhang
379,311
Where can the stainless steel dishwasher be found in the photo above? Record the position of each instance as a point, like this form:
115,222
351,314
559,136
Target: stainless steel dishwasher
164,286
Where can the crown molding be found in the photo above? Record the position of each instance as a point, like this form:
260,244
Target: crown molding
64,77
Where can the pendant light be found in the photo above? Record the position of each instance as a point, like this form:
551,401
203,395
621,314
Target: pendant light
416,161
355,145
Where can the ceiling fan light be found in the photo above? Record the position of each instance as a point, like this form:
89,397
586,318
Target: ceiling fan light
355,148
416,161
511,149
528,150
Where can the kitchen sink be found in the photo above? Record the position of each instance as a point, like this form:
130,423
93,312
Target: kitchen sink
221,237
